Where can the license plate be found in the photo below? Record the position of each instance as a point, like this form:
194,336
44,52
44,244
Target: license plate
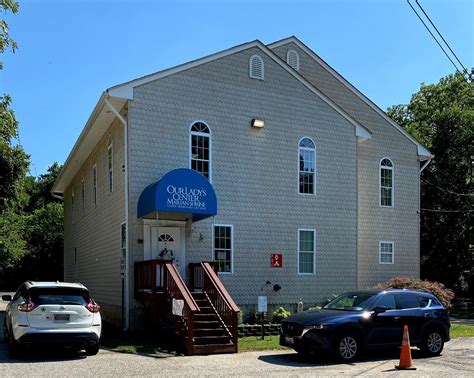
289,340
61,317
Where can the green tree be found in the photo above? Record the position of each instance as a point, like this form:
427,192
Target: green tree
441,116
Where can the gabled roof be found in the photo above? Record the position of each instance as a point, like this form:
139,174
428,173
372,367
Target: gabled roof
421,150
125,90
101,118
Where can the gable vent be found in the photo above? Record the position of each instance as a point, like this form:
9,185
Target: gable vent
293,59
256,67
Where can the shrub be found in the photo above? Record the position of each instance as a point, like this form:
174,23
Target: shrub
329,299
279,314
444,294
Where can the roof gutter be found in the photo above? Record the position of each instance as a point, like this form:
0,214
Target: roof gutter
426,164
127,259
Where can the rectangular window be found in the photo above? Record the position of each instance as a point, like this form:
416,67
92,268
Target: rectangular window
73,210
306,251
83,196
386,252
94,184
223,247
110,166
123,244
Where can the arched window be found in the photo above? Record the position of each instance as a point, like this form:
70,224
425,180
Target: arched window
166,238
256,67
386,182
293,59
306,166
200,146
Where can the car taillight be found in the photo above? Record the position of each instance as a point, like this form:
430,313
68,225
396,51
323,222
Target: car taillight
27,306
92,306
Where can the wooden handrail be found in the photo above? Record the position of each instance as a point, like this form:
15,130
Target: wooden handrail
224,306
185,293
219,286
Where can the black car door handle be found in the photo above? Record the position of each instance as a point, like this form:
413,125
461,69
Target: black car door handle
426,314
396,318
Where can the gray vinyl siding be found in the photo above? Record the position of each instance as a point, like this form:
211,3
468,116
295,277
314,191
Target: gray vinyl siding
96,233
399,224
254,173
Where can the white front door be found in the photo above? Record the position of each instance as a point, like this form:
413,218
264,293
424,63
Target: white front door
167,244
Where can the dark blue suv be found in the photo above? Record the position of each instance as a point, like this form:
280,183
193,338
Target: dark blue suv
363,319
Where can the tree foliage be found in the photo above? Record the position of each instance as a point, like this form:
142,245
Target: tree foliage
441,116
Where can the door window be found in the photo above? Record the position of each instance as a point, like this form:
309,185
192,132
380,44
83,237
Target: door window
386,301
408,301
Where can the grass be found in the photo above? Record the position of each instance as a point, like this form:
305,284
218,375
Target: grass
461,330
253,343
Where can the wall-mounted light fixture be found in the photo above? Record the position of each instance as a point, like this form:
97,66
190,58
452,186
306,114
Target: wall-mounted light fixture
259,123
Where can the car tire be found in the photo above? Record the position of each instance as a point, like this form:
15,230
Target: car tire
92,350
14,347
5,331
347,347
432,343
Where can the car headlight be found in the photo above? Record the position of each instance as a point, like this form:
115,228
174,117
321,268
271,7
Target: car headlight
316,326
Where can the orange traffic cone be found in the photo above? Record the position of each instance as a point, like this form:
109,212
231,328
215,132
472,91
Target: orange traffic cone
405,355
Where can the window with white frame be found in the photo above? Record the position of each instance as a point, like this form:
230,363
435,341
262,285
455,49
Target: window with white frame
256,67
110,165
73,206
386,252
306,166
293,59
306,251
200,144
123,237
223,247
83,196
386,182
94,184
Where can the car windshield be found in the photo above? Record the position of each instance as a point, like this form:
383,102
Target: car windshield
350,302
71,296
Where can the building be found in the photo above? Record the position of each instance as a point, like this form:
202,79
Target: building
316,188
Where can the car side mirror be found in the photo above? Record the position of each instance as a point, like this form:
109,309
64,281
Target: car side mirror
379,309
6,298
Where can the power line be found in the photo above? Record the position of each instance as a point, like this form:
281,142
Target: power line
439,44
439,33
447,190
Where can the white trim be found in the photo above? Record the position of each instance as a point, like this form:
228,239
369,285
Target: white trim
421,150
125,90
392,168
231,243
298,252
298,166
297,68
94,184
110,170
126,210
251,73
209,135
380,252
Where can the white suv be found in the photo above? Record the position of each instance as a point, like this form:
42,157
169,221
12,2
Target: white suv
52,312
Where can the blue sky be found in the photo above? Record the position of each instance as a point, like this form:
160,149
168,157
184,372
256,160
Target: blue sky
72,50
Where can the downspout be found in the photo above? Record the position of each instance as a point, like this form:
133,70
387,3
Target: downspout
426,164
127,232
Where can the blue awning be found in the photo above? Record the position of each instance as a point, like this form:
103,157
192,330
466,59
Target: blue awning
181,191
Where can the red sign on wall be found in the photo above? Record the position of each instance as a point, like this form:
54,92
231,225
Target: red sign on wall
276,260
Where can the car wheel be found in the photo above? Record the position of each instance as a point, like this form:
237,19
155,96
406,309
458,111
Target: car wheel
14,347
5,331
433,343
348,347
92,350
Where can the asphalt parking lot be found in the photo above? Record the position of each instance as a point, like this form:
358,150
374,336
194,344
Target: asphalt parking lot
457,359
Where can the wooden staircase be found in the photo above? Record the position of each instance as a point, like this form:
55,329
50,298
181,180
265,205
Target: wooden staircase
210,336
208,321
